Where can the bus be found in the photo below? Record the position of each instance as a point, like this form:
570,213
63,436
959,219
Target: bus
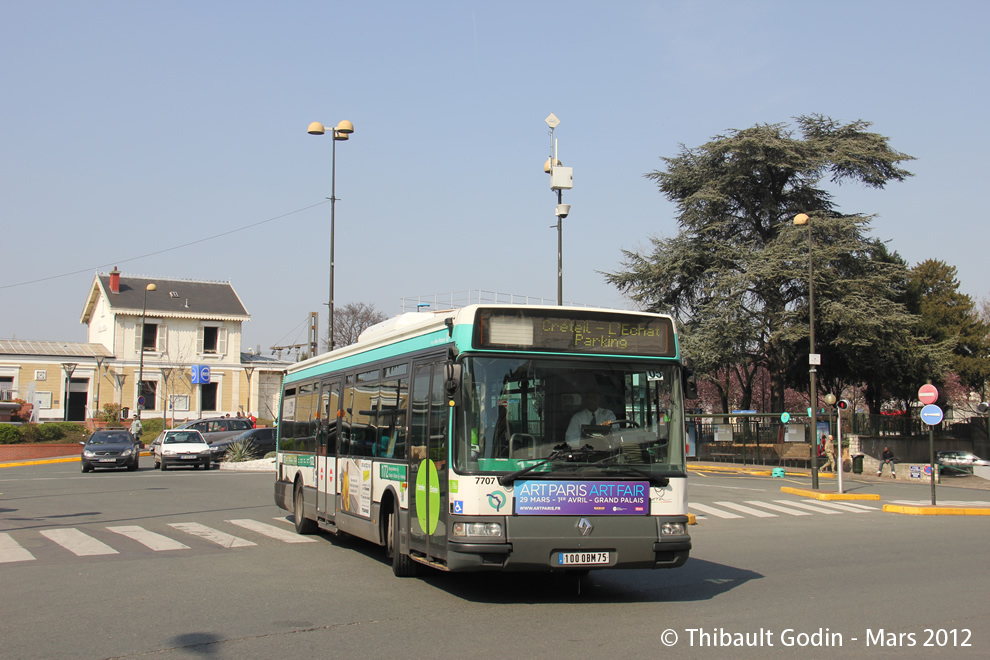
451,438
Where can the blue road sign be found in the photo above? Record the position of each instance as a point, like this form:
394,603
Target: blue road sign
200,374
931,414
785,417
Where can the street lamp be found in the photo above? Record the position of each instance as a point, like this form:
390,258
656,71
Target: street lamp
68,368
813,358
341,132
144,312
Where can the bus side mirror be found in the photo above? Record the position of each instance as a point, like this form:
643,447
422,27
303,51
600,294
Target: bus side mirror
452,382
690,380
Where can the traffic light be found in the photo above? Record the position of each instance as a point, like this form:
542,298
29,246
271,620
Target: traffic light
842,404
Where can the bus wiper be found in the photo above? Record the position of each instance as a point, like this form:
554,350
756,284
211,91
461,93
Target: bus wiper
556,454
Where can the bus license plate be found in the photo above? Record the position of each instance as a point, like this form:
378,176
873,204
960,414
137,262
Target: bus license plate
581,558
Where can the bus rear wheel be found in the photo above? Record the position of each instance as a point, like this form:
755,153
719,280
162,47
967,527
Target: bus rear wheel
402,565
303,525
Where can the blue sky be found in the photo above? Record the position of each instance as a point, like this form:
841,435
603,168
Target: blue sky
132,127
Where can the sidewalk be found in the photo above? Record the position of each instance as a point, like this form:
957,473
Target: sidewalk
865,487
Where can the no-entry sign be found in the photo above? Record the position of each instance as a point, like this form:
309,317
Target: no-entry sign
927,394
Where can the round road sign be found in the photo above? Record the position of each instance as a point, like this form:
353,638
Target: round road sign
785,417
928,394
931,414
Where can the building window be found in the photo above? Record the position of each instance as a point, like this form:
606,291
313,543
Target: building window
208,397
149,339
149,390
6,388
211,340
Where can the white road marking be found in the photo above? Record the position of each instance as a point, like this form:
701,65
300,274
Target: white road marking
212,535
809,507
745,509
78,543
713,511
11,550
156,542
781,509
272,531
839,507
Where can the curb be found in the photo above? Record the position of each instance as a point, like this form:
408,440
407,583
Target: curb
936,510
816,495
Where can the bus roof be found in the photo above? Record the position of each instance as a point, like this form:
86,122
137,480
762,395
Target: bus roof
410,326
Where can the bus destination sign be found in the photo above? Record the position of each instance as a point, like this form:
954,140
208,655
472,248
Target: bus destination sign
578,332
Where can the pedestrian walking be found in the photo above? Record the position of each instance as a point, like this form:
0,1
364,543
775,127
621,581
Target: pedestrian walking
829,454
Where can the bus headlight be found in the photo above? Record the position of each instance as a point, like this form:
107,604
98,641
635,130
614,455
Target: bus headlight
477,529
673,529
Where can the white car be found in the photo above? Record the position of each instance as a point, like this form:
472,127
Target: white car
181,447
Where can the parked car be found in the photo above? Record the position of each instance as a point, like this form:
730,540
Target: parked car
958,461
262,439
218,428
180,447
114,448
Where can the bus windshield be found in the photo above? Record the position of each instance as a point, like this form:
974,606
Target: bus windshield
593,419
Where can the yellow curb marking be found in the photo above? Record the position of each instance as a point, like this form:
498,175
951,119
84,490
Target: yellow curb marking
935,510
828,496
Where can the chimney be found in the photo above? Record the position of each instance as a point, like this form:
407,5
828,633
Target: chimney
114,280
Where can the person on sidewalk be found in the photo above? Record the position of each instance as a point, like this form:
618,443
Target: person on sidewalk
887,459
829,454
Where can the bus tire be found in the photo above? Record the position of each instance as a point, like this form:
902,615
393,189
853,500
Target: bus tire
402,565
303,525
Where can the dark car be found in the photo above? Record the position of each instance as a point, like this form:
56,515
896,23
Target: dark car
958,461
262,439
218,428
115,448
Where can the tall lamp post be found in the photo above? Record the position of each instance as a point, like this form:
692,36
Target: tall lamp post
144,312
341,132
68,368
814,359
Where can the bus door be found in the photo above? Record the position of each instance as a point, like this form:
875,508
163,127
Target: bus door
428,461
326,449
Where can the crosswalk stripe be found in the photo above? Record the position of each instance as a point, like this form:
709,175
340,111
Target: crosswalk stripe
212,535
78,543
10,550
782,509
860,507
712,510
156,542
809,507
745,509
272,531
838,507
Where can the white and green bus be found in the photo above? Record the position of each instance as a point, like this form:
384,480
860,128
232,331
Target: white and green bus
495,437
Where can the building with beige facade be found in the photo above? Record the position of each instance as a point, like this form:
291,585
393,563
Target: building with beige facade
180,338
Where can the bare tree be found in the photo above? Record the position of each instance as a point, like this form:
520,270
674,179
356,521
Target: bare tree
351,320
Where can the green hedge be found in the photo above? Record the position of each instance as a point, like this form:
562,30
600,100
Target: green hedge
68,432
9,434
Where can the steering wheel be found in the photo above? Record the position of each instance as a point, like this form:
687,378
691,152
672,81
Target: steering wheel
625,422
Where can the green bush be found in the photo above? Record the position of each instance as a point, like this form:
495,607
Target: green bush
10,434
68,432
151,428
110,412
242,450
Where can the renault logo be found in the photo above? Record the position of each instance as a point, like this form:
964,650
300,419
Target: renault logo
585,526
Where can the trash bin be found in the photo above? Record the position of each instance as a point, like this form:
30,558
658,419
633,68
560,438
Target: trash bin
857,464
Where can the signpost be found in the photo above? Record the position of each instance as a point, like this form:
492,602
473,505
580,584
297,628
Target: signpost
931,415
